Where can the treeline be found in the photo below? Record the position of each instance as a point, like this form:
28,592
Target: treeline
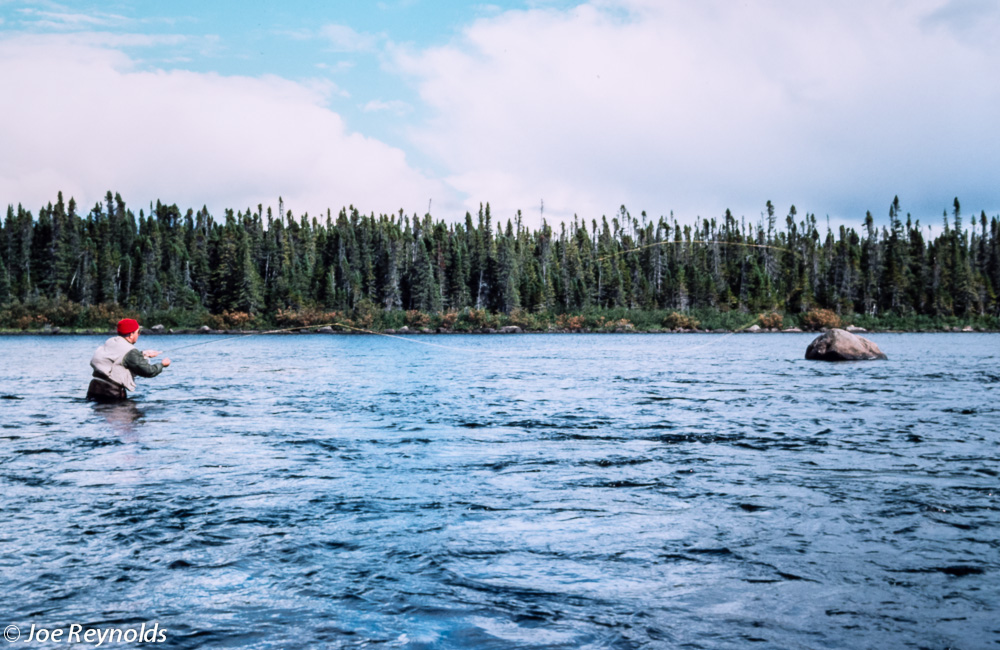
256,266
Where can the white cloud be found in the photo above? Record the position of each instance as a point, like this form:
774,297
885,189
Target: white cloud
122,40
59,20
395,6
303,34
395,106
968,19
339,66
87,120
697,107
345,39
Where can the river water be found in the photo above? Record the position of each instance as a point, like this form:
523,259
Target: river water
535,491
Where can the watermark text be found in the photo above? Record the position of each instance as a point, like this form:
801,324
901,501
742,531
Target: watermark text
95,636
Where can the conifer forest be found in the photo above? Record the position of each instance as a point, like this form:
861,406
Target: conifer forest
76,268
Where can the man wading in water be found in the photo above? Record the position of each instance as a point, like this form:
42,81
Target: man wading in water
117,362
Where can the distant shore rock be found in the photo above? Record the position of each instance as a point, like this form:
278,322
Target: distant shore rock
853,329
326,329
792,330
841,345
510,329
753,329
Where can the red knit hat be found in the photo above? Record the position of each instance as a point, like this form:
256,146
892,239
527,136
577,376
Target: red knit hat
127,325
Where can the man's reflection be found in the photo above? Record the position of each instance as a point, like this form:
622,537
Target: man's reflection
121,416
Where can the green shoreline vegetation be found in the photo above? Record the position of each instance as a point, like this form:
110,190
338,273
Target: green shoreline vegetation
254,270
70,318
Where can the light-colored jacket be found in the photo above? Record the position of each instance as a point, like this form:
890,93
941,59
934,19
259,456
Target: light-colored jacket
108,359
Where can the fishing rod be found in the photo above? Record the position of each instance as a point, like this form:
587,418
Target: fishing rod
673,242
310,327
446,347
402,338
692,348
417,341
243,336
694,241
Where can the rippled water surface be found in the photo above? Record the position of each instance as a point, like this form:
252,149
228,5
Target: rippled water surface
556,491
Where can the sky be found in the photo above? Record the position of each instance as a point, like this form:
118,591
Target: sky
554,108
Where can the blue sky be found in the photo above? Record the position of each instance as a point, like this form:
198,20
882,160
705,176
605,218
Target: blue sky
659,105
342,43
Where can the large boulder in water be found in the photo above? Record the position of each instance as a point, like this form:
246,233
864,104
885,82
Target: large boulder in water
841,345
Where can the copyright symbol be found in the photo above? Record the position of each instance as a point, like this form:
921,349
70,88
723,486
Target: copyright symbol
11,633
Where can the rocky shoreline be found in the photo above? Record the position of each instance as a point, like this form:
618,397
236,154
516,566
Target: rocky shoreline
159,330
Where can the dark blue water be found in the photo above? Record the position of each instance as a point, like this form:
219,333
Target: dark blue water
545,491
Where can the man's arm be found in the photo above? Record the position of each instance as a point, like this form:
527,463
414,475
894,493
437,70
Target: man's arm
136,362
